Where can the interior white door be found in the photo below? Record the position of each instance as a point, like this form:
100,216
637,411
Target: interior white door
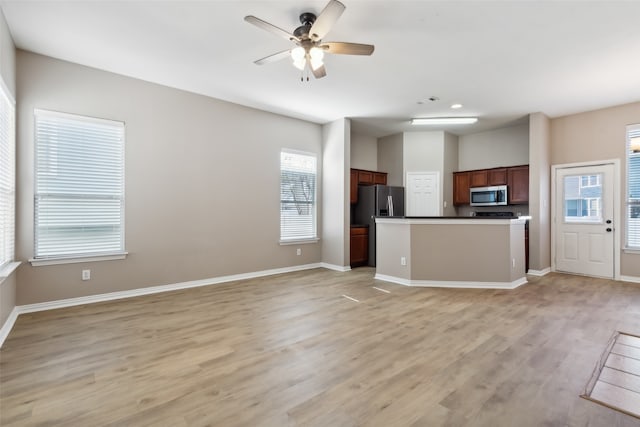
423,194
584,213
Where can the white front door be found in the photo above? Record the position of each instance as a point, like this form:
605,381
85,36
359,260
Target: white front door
584,214
423,194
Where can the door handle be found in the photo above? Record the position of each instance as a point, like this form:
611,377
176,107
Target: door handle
609,230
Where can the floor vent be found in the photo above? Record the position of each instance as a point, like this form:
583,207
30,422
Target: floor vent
615,382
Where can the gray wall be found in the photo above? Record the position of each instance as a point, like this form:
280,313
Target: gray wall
539,192
449,166
435,151
593,136
7,70
336,193
202,181
364,152
390,158
501,147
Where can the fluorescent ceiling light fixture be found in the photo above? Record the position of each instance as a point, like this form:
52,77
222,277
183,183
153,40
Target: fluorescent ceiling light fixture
444,121
456,106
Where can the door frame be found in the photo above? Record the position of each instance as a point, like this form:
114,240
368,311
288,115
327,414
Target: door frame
439,186
616,209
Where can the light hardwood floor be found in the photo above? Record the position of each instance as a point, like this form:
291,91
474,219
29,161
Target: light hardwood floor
289,350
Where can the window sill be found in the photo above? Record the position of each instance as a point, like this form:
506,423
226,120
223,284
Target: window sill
299,241
37,262
631,251
7,270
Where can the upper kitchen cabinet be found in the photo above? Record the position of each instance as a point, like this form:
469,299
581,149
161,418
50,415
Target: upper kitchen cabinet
516,177
363,177
497,176
461,185
478,178
380,178
354,185
518,181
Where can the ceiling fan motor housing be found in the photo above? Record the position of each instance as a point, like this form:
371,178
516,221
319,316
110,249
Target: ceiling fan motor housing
306,19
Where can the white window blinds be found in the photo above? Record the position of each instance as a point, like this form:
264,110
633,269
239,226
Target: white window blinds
633,186
7,176
79,195
297,196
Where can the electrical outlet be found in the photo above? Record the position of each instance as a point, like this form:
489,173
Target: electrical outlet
298,251
86,274
403,260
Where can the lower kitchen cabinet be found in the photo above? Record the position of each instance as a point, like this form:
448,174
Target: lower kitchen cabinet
359,246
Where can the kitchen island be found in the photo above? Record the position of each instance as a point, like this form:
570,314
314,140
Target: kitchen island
463,252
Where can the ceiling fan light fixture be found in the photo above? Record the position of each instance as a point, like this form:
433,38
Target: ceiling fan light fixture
298,53
299,63
443,120
316,53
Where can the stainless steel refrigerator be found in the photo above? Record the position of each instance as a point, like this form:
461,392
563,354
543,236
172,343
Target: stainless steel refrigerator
377,200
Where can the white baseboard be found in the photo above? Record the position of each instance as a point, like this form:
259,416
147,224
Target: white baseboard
8,325
452,284
70,302
335,267
90,299
632,279
539,272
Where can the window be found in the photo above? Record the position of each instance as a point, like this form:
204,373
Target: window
633,186
590,181
297,196
79,194
583,194
7,176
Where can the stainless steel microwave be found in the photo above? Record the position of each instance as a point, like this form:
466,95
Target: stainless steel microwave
488,196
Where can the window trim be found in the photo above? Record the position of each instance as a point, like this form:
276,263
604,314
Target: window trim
301,240
627,248
9,265
89,256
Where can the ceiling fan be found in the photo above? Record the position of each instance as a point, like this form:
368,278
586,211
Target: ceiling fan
310,49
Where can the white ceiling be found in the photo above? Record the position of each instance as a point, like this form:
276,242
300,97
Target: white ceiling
501,59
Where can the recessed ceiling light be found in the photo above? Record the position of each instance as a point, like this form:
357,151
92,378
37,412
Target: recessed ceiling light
444,120
456,106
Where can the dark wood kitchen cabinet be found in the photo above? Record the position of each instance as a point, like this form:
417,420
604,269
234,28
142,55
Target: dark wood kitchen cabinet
353,177
515,177
359,246
380,178
364,177
478,178
518,181
497,176
461,185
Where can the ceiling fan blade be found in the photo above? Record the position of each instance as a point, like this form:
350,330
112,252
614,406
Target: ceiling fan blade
270,27
273,58
319,72
326,19
343,48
